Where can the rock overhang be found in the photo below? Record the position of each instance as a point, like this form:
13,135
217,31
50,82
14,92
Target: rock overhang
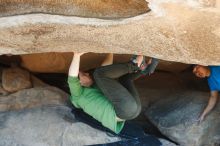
182,33
186,31
104,9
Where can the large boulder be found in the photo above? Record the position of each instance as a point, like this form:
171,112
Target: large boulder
48,126
32,98
15,79
82,8
176,116
170,31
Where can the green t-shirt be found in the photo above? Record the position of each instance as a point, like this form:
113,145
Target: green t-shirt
94,103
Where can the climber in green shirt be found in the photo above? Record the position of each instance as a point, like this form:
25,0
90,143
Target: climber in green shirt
112,97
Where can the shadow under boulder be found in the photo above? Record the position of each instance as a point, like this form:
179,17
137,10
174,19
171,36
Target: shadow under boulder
176,117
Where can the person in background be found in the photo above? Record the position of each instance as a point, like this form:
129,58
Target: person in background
212,73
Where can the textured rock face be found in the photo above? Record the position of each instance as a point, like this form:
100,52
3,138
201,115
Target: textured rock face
15,79
183,31
48,126
176,117
173,103
82,8
32,98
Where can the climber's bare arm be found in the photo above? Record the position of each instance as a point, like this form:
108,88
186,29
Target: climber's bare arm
74,67
108,60
211,104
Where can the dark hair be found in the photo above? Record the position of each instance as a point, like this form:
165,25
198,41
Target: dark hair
90,71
